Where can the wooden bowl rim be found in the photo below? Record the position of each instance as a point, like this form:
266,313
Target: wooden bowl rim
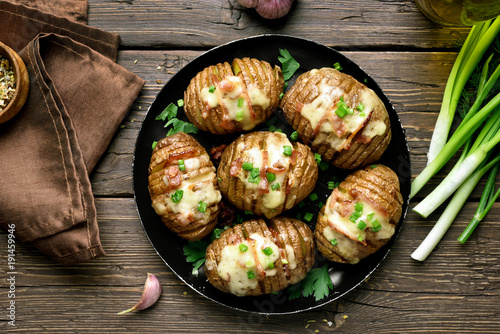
22,83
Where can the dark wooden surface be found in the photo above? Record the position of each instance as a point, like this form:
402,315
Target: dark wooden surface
456,290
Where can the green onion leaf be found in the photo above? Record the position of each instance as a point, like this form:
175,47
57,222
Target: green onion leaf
177,196
211,89
334,242
275,186
376,226
202,207
271,177
247,166
287,150
243,248
267,251
182,167
308,216
250,274
294,136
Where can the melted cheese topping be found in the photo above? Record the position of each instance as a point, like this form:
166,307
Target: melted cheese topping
195,190
321,113
344,248
234,265
236,100
275,158
350,229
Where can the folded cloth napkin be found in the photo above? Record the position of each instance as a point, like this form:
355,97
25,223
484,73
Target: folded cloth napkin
78,97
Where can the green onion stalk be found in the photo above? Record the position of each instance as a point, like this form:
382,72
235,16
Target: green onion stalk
478,41
453,208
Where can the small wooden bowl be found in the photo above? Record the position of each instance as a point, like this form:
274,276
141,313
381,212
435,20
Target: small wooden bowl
22,83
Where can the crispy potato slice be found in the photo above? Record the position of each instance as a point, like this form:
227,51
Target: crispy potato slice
228,98
339,117
360,216
181,165
245,167
227,264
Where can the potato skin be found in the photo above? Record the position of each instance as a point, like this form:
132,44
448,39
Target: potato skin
323,88
296,244
254,74
187,222
296,184
377,185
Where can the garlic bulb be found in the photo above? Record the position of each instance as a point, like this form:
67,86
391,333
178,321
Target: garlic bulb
150,294
269,9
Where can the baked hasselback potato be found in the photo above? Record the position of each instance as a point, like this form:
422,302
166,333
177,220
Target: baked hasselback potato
360,216
253,258
263,172
228,98
339,117
183,186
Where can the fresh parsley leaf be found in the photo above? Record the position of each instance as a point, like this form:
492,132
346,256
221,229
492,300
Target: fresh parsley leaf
317,282
180,126
196,265
195,250
168,113
288,64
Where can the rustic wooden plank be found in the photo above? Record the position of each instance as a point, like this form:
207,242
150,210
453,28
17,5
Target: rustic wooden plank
414,87
362,23
456,289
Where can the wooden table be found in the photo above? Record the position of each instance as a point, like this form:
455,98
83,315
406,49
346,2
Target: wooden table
455,290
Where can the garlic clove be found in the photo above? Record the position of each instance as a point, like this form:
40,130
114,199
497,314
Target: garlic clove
269,9
150,294
248,3
273,9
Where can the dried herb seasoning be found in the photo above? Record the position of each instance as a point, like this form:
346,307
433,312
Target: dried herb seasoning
7,83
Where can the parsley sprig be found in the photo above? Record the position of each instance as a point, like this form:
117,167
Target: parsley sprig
288,65
317,282
169,114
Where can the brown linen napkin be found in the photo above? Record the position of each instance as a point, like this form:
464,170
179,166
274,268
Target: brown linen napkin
77,100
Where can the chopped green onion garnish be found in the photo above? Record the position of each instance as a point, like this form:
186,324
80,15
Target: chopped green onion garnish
154,144
248,212
376,226
250,274
358,206
271,265
360,238
343,109
247,165
254,172
243,248
240,102
271,177
294,136
308,216
355,216
272,128
278,130
239,115
337,66
287,150
202,206
332,185
180,102
370,216
334,242
323,165
361,225
275,186
313,196
177,196
211,89
317,157
267,251
182,167
255,180
360,107
320,205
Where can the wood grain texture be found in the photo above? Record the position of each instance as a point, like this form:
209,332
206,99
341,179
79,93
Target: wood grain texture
358,24
455,290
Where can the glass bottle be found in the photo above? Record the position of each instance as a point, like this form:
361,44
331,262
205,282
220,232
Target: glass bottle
459,12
